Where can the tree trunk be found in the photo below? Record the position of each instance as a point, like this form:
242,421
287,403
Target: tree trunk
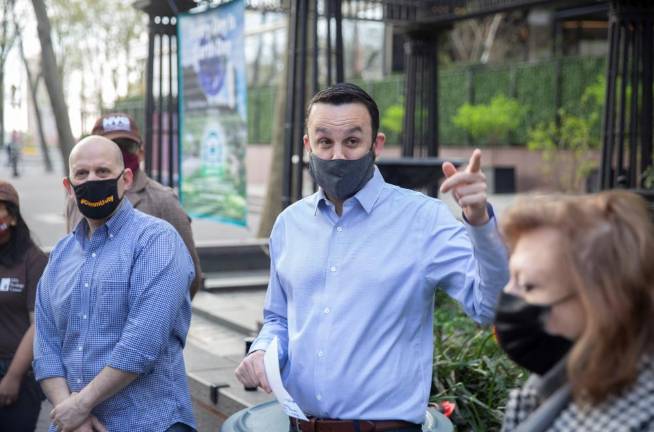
6,46
272,71
53,82
256,66
34,87
2,106
273,203
490,37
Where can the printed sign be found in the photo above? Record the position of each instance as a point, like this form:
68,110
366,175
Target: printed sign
213,123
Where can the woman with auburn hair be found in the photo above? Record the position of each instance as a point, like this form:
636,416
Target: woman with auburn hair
578,312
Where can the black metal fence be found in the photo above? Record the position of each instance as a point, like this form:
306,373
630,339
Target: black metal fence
629,115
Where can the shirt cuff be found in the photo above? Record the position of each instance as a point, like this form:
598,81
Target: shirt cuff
260,344
48,366
486,235
130,360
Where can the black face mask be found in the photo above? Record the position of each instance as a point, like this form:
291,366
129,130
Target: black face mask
342,178
520,331
97,199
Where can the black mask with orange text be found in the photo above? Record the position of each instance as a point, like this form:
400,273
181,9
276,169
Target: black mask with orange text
97,199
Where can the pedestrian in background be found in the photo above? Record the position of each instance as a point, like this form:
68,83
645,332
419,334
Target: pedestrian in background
14,153
577,313
145,194
21,265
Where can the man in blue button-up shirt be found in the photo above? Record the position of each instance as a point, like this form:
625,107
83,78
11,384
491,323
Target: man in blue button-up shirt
113,309
354,269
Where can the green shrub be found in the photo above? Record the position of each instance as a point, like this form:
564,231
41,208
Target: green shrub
470,369
392,121
647,177
579,134
490,124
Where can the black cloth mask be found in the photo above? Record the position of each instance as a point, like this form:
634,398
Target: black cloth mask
520,332
97,199
342,178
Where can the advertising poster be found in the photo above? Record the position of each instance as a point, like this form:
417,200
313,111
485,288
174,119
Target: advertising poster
213,126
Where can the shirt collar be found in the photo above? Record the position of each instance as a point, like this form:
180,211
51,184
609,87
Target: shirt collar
116,222
367,196
112,225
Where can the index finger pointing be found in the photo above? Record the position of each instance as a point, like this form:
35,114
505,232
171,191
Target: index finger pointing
474,165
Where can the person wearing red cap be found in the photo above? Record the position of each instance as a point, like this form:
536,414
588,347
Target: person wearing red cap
21,266
146,195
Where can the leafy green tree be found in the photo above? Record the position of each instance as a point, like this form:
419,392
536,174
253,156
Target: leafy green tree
97,39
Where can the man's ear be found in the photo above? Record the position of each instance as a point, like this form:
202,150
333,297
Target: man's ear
128,178
69,187
307,144
378,145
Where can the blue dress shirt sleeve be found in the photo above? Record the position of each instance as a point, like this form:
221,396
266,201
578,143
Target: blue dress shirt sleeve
275,305
161,275
47,342
469,262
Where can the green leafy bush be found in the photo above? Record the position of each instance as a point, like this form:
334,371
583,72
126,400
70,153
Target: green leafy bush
470,369
490,124
392,121
579,134
648,177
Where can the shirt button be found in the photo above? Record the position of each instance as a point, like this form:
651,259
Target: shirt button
327,310
339,229
321,354
319,397
333,268
84,316
93,254
79,380
111,236
79,348
86,285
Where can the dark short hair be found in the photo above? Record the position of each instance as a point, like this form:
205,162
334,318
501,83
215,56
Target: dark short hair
344,93
127,145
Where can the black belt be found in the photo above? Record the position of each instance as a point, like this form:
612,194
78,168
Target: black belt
329,425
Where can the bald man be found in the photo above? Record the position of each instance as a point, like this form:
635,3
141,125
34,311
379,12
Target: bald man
113,308
145,194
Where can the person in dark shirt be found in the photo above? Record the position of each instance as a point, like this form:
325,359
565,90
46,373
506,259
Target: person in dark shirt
21,265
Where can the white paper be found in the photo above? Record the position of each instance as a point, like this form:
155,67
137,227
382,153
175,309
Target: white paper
271,363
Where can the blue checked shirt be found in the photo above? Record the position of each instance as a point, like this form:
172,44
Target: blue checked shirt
351,298
119,299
